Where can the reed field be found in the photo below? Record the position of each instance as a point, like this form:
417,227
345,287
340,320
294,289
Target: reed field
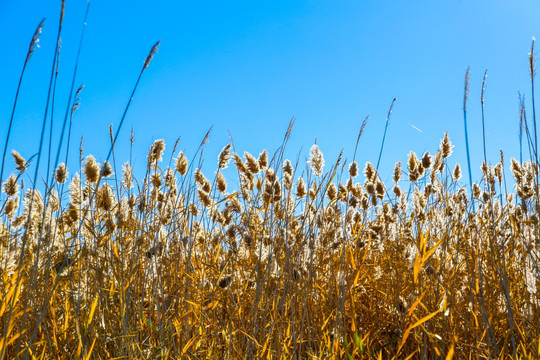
286,259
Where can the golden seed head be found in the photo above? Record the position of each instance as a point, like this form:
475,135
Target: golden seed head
263,159
446,146
456,174
370,172
354,202
252,163
485,169
181,164
287,181
342,192
11,206
239,164
397,190
353,169
438,164
270,175
498,172
476,190
287,168
105,198
412,162
127,176
61,173
370,188
380,190
91,169
155,179
234,204
397,172
516,169
312,194
300,188
11,188
426,160
170,180
331,192
75,191
19,160
316,160
156,151
106,170
224,156
221,183
199,177
204,198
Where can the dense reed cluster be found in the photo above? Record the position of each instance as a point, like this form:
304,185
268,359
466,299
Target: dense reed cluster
266,258
287,260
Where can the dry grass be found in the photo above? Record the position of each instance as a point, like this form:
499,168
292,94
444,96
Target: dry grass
290,259
180,268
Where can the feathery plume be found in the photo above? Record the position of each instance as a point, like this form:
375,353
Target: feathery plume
316,160
224,156
91,169
61,173
19,161
181,164
11,188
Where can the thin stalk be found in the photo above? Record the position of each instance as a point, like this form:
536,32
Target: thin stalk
466,132
71,91
385,129
483,122
31,48
362,127
532,72
521,120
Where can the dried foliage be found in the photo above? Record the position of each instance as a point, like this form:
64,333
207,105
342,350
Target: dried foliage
186,271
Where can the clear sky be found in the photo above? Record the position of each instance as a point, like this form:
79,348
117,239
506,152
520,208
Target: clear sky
247,67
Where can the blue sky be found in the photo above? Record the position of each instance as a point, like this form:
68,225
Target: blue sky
247,67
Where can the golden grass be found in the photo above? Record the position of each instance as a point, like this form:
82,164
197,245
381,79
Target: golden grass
188,266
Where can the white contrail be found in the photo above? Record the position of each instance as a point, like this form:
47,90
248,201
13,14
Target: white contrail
414,127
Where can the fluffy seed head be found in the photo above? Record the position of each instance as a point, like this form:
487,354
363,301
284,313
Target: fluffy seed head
181,164
106,170
316,160
300,188
61,173
127,176
19,161
287,168
239,164
426,160
91,169
263,159
105,198
224,156
380,190
155,179
252,163
397,172
446,146
353,169
331,192
11,206
221,183
370,172
456,174
11,188
156,151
